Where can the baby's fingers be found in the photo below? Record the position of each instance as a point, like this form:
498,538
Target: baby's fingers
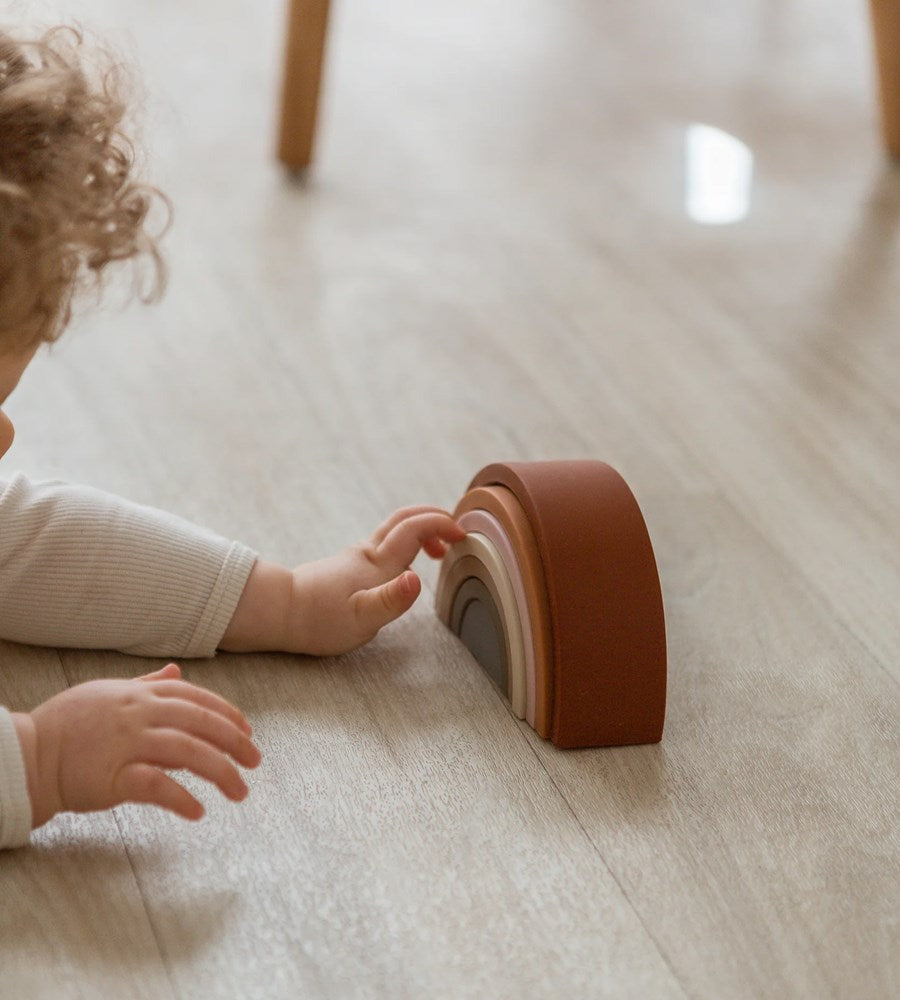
377,607
210,726
383,530
404,541
435,548
201,696
147,784
171,748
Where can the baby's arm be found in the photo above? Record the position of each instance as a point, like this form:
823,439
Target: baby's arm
78,567
336,604
84,568
110,741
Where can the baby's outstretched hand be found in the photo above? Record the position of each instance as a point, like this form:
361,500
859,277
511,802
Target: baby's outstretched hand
341,602
110,741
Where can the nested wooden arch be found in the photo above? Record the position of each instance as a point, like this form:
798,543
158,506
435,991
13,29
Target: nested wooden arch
566,567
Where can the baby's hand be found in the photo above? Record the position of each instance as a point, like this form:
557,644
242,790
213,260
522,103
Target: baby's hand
341,602
110,741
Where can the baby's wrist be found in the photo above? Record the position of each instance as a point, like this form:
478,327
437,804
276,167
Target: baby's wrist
261,620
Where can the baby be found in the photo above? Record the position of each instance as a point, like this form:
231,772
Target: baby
82,568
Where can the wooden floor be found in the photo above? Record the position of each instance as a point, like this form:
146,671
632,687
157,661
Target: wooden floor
493,260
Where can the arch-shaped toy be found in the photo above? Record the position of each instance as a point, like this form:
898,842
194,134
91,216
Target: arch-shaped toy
556,593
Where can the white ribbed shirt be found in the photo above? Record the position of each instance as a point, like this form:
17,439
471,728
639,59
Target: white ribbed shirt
83,568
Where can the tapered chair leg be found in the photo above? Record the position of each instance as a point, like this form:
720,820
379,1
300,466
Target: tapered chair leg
304,50
886,31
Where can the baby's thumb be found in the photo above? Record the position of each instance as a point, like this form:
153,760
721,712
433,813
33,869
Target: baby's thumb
381,605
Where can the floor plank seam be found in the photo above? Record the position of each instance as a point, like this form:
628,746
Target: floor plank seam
626,271
60,655
660,951
140,889
808,587
524,737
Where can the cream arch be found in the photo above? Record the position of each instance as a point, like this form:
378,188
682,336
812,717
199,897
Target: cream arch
477,556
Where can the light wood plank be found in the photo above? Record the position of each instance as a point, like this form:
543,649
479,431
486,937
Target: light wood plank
401,840
811,421
759,841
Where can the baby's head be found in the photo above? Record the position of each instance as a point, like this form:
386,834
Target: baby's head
69,204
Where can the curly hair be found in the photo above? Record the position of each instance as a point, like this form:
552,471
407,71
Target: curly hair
69,205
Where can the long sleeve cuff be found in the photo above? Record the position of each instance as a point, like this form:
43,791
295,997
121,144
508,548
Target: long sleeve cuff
15,806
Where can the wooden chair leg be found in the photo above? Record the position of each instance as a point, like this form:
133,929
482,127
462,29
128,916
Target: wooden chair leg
304,50
886,31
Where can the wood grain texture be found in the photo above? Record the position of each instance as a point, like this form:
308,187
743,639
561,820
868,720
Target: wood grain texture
781,732
401,839
492,261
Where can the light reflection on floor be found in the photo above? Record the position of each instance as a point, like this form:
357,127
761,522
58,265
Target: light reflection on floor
718,176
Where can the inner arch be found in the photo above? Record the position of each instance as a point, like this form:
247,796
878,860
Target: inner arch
475,619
